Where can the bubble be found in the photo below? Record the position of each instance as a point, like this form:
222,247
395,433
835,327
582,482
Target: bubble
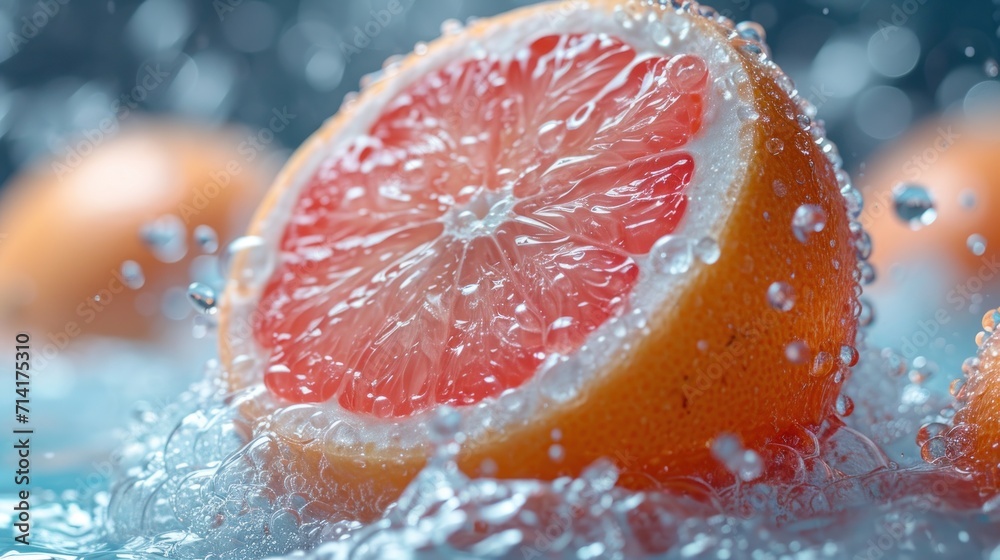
781,296
930,430
921,369
672,255
977,244
203,298
707,250
808,219
206,239
744,463
866,313
797,352
914,205
165,238
254,259
132,275
775,146
822,365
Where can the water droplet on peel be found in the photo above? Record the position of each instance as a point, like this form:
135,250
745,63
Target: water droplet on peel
254,259
165,238
672,255
556,452
780,188
781,296
747,113
844,405
775,146
976,244
822,364
206,239
203,298
132,275
797,352
914,205
751,30
707,250
808,219
849,355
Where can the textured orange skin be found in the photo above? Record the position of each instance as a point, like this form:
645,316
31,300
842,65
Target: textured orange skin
70,252
657,413
970,163
981,413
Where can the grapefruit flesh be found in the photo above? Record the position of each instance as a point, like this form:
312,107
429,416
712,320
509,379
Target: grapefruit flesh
466,253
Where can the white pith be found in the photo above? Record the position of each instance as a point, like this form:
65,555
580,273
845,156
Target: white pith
721,154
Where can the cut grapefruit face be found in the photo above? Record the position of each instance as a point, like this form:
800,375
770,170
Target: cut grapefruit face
564,223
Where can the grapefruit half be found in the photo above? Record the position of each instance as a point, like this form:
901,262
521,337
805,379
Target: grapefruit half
594,229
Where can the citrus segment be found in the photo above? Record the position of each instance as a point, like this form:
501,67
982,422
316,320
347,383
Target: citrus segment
468,251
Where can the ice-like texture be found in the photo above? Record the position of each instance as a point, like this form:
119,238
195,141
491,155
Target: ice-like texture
489,219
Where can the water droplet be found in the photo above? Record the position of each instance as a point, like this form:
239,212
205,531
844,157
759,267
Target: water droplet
822,365
930,430
781,296
855,201
451,26
707,250
206,239
132,275
914,205
551,136
165,238
672,255
797,352
934,450
751,30
921,369
866,313
253,259
774,146
556,452
956,386
844,405
991,68
849,355
744,463
990,320
808,219
203,298
780,188
976,244
747,113
867,273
